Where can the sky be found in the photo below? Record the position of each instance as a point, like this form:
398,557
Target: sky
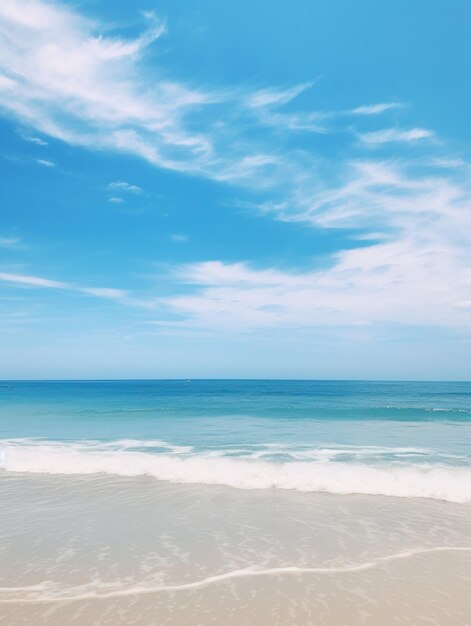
235,189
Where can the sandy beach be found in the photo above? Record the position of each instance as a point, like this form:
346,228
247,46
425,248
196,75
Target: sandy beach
132,551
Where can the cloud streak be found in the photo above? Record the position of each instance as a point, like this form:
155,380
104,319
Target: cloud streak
32,139
276,97
376,109
391,135
26,280
45,163
62,76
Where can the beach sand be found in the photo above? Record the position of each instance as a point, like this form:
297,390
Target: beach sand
106,550
431,589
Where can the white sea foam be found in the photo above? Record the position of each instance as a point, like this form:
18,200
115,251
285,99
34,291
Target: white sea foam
180,464
48,592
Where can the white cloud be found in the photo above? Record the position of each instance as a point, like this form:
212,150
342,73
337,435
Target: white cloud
104,292
413,267
67,79
32,281
115,200
382,197
45,162
312,122
418,272
62,76
276,97
261,165
124,186
376,109
388,135
39,282
447,162
386,283
32,138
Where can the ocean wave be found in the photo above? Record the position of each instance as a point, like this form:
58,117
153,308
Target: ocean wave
448,410
183,464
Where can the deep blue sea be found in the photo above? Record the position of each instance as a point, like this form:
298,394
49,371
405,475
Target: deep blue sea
405,439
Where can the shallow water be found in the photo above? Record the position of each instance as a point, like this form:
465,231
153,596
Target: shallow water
132,550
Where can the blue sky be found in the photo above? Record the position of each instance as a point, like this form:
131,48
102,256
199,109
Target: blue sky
250,189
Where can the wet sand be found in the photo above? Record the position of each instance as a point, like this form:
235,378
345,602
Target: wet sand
101,550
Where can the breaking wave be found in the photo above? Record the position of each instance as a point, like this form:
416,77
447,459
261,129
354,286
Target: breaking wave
399,472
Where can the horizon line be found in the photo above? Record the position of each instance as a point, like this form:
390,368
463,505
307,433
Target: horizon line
232,379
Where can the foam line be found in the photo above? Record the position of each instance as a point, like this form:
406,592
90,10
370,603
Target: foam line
434,480
90,592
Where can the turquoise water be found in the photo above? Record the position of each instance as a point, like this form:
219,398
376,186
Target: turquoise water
392,438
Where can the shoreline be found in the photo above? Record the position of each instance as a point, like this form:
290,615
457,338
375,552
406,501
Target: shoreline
130,550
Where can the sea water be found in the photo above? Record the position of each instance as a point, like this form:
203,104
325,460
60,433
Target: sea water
394,439
262,502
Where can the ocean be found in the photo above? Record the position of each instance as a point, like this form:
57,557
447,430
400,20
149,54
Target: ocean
242,501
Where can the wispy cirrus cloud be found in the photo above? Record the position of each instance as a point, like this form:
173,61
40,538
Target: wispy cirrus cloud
376,109
264,98
415,228
312,121
64,76
26,136
26,280
391,135
415,270
108,293
32,281
45,163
